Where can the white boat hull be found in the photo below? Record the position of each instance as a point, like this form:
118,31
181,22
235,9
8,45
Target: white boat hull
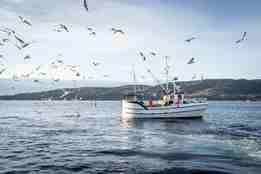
193,110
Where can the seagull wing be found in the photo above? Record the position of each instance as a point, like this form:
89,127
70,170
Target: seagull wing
19,39
244,35
2,71
85,5
27,22
191,61
66,28
21,18
153,53
238,41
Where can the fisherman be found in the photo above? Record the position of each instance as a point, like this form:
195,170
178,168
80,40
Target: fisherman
179,100
166,100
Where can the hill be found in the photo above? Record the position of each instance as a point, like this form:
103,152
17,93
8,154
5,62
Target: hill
214,89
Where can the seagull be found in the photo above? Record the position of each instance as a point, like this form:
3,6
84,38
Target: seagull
23,20
23,46
194,76
60,61
56,80
26,75
153,53
2,71
242,39
5,40
93,33
15,78
115,31
27,57
78,74
42,73
191,61
19,39
90,29
62,27
73,70
8,31
143,56
85,5
175,78
36,81
190,39
65,93
72,66
96,63
38,68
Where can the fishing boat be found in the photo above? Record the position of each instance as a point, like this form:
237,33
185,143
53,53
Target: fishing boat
173,108
172,104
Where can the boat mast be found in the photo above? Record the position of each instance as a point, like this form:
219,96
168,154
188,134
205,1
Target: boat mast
167,73
134,79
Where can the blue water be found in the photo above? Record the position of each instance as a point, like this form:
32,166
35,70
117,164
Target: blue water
48,137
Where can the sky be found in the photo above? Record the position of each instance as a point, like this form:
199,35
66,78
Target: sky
159,26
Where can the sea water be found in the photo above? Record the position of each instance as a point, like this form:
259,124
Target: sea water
81,137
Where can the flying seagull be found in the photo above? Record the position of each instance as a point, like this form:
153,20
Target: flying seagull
38,68
115,31
56,80
5,40
175,78
60,61
23,20
143,56
8,31
191,61
15,78
93,33
242,39
85,5
26,75
89,29
194,76
19,39
2,71
62,27
42,73
96,63
190,39
27,57
153,53
23,46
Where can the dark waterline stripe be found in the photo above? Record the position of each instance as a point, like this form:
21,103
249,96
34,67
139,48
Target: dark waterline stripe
166,112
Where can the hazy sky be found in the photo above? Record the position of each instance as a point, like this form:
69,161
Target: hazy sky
160,26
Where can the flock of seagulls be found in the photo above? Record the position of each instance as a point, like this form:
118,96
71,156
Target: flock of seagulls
20,43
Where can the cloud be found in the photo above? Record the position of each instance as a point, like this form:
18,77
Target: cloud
160,27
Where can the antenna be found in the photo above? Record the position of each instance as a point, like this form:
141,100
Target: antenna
155,78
